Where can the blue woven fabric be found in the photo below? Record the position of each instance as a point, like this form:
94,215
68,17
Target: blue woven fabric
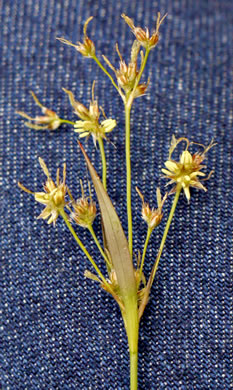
58,330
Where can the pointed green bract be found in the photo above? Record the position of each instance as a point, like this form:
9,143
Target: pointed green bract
115,237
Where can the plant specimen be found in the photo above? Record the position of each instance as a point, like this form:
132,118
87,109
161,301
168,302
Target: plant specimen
125,281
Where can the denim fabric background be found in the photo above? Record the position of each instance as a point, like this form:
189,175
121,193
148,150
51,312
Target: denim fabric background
58,330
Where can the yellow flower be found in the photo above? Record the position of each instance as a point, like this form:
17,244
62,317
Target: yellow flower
152,216
97,130
50,120
89,123
143,36
53,197
185,172
87,48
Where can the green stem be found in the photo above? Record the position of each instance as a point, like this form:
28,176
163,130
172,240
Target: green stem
128,177
79,242
128,105
133,370
154,269
106,72
66,121
174,204
90,228
149,231
142,68
104,166
131,321
65,217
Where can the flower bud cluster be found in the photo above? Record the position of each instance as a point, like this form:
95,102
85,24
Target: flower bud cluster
87,48
127,75
50,120
84,210
152,216
143,36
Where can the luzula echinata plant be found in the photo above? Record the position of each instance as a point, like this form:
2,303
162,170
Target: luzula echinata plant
125,281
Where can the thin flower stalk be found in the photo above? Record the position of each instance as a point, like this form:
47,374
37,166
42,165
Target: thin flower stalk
107,73
152,217
155,266
82,246
149,231
91,230
165,233
104,164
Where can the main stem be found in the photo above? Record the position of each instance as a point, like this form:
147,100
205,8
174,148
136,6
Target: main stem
133,370
131,321
128,105
128,177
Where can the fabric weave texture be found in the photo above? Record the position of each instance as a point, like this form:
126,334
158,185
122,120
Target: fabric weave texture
58,330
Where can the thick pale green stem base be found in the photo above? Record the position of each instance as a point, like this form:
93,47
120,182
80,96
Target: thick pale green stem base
133,370
131,321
